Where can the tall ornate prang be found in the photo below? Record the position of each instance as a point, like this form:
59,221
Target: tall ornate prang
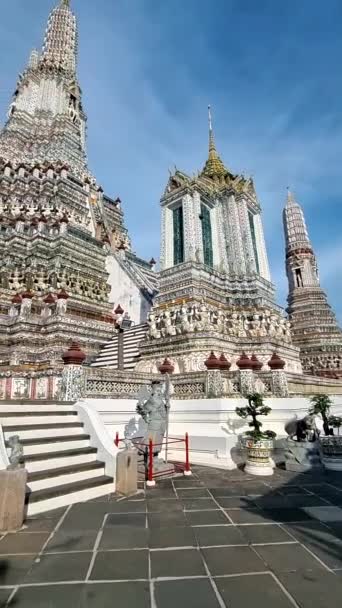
215,289
314,326
57,227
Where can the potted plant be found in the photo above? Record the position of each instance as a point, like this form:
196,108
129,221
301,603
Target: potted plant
330,443
258,443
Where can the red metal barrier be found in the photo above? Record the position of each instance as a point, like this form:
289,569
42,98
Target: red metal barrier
187,471
150,481
151,476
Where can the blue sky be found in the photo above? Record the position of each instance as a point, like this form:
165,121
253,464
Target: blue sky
271,70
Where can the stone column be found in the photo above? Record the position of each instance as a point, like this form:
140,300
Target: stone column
214,383
246,381
279,384
73,382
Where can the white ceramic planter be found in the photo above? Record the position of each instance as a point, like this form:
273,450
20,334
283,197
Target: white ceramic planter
258,456
331,452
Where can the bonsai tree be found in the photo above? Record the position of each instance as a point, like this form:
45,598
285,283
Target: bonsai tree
321,405
336,422
253,410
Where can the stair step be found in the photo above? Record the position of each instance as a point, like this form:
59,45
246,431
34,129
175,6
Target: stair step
73,458
70,477
43,431
76,468
44,440
35,419
11,414
40,427
68,488
89,493
64,454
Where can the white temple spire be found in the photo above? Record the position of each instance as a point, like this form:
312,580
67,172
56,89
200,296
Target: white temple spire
60,43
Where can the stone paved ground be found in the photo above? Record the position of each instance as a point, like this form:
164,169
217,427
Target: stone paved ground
217,540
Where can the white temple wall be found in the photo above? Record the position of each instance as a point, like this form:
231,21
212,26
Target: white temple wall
197,225
246,237
261,248
166,247
125,292
233,237
215,237
212,424
192,228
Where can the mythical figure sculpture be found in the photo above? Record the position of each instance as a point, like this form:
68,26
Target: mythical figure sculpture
304,429
302,453
153,410
17,452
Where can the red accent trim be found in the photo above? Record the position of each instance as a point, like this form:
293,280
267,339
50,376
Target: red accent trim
187,461
150,461
8,388
33,388
50,387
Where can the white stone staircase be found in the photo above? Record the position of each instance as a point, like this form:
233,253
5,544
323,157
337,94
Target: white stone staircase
109,354
62,465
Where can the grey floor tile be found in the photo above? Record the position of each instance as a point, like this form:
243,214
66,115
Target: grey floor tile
59,567
317,589
167,520
123,537
286,515
84,520
258,590
13,569
229,490
247,516
79,540
188,483
133,520
292,491
160,505
120,565
274,502
206,518
177,563
327,513
236,502
4,595
23,543
287,558
264,534
320,540
127,506
107,595
232,560
54,596
336,529
218,535
39,525
195,593
187,493
159,492
171,537
198,504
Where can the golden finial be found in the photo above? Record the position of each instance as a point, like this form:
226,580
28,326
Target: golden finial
214,166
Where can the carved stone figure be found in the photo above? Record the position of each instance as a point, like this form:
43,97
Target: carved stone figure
304,429
17,452
153,411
